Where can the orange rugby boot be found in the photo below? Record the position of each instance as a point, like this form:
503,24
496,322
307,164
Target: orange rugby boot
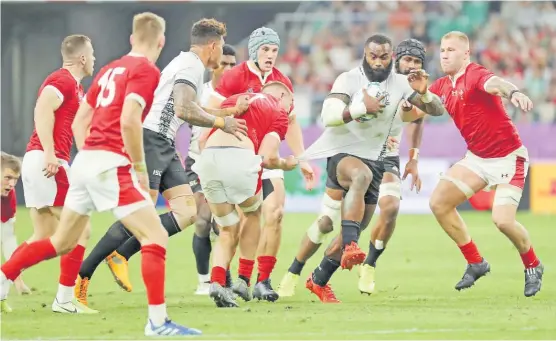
352,256
325,293
80,290
119,268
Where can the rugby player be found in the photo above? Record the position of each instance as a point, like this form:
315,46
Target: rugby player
357,149
410,55
230,172
496,158
45,163
250,76
10,171
181,85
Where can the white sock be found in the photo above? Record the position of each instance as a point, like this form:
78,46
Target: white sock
64,294
379,244
5,286
204,278
157,314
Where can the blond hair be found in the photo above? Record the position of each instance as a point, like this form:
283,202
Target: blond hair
11,162
73,44
148,27
457,35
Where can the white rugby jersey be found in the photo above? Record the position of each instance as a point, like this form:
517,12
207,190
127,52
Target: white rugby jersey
194,149
185,68
365,139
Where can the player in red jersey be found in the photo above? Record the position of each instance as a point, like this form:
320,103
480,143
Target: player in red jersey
250,76
496,158
230,172
109,172
45,164
11,169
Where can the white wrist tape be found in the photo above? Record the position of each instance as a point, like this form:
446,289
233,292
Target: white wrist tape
356,110
427,97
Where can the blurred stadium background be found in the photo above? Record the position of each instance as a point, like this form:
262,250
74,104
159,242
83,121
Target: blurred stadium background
320,39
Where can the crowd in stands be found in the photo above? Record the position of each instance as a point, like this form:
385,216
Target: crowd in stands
516,40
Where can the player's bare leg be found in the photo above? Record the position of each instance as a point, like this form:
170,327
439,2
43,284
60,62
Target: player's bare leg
389,204
273,212
353,174
504,212
318,281
202,245
44,223
226,217
459,184
313,239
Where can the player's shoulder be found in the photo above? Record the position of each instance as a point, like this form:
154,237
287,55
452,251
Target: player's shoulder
136,63
280,77
475,67
61,76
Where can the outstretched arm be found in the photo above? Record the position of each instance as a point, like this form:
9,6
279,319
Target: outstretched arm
498,86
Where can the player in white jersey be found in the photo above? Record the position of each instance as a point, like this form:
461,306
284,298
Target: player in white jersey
202,246
356,150
410,55
175,98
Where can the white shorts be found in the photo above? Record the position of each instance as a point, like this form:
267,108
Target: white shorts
228,174
273,174
40,191
511,169
102,181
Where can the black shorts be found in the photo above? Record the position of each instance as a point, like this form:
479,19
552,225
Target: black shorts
163,164
390,164
192,177
268,188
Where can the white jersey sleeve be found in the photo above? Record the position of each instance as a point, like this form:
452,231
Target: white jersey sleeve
194,149
185,68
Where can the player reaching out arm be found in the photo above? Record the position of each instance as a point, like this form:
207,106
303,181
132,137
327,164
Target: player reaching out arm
496,158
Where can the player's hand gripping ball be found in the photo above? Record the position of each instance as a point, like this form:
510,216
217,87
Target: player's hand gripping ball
374,95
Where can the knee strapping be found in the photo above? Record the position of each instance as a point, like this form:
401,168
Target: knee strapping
393,189
507,196
329,208
230,219
462,186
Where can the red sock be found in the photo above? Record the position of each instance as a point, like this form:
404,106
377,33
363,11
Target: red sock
471,253
218,275
265,267
530,259
70,264
28,255
19,248
153,267
246,269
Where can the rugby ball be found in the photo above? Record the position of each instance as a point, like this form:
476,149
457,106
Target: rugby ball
373,89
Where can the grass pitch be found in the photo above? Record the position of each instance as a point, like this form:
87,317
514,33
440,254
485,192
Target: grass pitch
415,298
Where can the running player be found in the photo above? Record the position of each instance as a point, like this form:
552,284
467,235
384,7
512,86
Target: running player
180,84
250,76
45,163
410,55
201,239
11,169
230,172
109,172
357,149
496,158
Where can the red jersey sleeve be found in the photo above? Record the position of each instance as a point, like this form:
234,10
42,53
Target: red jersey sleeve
230,101
280,123
230,83
477,76
63,86
435,87
142,83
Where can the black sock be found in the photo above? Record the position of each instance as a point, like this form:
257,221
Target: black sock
373,255
296,267
350,231
228,278
201,249
116,235
323,273
132,246
247,280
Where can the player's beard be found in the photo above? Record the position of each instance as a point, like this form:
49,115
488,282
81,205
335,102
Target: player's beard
379,75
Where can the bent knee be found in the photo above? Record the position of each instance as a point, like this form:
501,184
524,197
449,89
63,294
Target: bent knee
361,179
202,227
389,207
273,215
439,206
325,224
503,222
185,215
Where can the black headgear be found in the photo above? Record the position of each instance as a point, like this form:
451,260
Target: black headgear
410,47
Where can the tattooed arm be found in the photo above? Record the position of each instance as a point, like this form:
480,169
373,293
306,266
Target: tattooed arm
186,108
500,87
428,102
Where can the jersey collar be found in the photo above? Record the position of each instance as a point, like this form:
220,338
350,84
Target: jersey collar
458,75
258,73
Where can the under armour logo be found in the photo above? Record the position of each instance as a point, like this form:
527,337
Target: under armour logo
505,175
